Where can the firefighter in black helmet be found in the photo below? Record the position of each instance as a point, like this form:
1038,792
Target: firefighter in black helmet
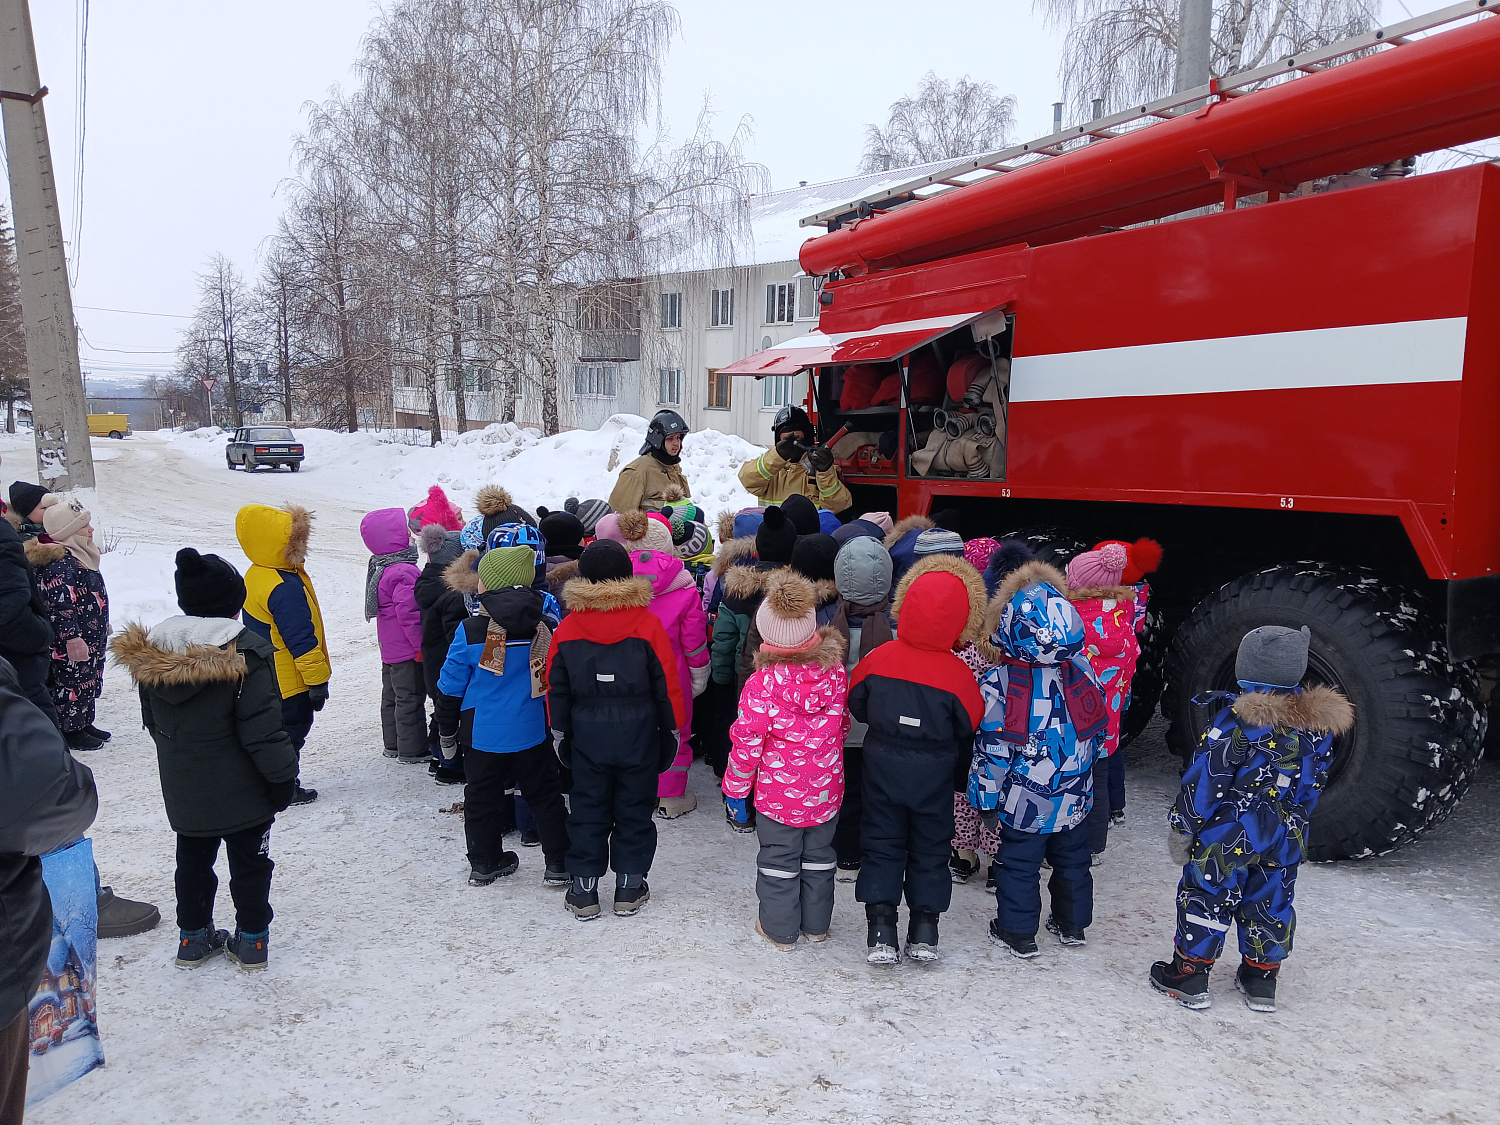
655,477
796,465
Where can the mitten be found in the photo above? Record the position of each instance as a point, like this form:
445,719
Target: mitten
562,746
317,695
448,746
1179,846
281,794
78,650
820,458
990,818
700,679
738,809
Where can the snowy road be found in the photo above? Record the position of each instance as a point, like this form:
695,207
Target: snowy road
397,993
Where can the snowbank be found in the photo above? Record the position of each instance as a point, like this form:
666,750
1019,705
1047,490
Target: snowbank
384,471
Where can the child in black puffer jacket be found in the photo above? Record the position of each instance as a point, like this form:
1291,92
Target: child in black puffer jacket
442,609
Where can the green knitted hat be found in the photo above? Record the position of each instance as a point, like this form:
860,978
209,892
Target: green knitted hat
507,566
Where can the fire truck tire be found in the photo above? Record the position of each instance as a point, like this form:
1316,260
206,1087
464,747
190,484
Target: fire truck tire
1419,718
1058,545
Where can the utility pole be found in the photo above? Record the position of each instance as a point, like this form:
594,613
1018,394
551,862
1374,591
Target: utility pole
58,412
1195,19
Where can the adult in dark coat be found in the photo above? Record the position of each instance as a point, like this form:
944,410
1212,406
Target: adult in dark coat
47,799
210,700
25,629
443,610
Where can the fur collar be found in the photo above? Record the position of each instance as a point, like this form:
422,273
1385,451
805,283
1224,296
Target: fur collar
962,570
1319,708
726,526
910,523
491,500
460,574
563,571
825,654
601,597
825,591
13,518
1103,593
39,554
151,666
746,581
296,539
1012,584
731,551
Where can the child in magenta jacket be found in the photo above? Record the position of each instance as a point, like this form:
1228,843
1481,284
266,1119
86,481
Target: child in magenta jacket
676,602
390,598
788,745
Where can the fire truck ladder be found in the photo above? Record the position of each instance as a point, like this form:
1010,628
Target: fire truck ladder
974,169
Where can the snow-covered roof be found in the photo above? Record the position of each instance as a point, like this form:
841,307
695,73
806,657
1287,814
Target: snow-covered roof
772,219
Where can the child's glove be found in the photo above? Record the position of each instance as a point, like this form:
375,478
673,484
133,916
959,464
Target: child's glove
700,679
738,809
990,818
281,794
1179,846
562,746
78,650
448,746
317,695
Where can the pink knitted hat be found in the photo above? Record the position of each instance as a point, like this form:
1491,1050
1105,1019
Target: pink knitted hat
881,520
645,531
788,616
608,527
1104,567
438,509
978,552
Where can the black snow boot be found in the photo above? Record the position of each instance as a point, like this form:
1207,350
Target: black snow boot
81,740
482,875
1185,979
1067,937
101,735
922,936
1018,945
631,893
196,946
304,796
882,940
582,899
960,866
556,874
1258,983
249,951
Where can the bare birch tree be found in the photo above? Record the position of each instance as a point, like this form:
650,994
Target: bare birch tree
223,311
1125,51
277,305
941,121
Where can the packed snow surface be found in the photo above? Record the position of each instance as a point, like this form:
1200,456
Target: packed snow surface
398,993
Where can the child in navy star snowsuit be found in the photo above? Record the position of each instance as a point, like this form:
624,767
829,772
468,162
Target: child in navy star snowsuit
1240,823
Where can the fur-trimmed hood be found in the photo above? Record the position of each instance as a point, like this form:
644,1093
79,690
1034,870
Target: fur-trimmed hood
725,526
962,570
13,518
491,500
461,576
825,654
910,523
825,591
1317,708
1023,576
747,581
602,597
39,554
732,551
563,571
152,665
1105,593
274,537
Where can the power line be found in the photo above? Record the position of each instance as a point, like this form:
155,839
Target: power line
133,312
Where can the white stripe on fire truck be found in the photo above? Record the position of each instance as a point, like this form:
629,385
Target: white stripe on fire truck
1408,351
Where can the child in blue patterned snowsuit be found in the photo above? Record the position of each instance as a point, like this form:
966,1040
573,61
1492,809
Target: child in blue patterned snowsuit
1239,826
1033,769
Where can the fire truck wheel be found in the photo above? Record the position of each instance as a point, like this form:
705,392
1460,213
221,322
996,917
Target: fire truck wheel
1058,545
1419,718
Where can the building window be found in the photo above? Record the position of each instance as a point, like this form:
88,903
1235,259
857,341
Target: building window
718,390
671,385
479,316
720,308
596,379
775,390
671,310
808,289
781,302
479,379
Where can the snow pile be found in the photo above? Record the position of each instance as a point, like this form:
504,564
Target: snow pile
383,471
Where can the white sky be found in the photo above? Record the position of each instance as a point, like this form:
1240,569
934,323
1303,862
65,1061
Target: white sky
192,108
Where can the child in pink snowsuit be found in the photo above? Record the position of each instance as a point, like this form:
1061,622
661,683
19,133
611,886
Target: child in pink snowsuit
390,598
675,601
788,745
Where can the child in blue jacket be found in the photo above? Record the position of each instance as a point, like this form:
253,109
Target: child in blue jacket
1239,827
496,666
1032,777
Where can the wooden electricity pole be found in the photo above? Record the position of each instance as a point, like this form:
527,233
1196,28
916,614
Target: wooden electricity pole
58,411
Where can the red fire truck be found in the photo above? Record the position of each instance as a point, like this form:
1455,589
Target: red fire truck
1294,389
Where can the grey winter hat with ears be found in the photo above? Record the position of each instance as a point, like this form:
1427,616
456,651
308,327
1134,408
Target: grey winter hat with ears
1273,655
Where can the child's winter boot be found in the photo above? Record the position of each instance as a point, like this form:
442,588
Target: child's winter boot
196,946
483,874
882,939
556,874
670,808
784,946
962,865
582,899
1067,937
631,893
1185,979
1258,983
249,951
1018,945
922,936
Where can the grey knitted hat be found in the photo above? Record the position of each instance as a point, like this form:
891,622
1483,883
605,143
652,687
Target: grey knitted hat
1273,655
